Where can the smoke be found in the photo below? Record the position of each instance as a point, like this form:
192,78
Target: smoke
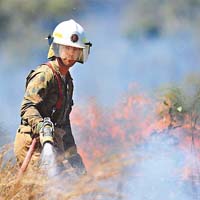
115,62
125,158
154,161
158,174
129,154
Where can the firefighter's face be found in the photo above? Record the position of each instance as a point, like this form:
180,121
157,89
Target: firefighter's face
69,54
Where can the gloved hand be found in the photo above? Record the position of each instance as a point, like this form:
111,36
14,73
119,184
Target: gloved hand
72,159
77,164
46,131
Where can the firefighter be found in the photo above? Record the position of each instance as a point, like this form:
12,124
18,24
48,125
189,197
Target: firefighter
48,100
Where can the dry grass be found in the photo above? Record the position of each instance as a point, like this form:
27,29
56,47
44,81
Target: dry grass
36,185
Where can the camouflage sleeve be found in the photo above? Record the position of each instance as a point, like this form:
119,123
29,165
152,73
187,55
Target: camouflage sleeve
35,94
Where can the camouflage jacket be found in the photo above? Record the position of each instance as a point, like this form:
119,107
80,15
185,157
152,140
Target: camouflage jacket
41,96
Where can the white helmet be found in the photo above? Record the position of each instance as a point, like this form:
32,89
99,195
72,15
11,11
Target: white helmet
72,34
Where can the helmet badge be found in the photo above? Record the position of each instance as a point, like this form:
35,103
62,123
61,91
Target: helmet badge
74,38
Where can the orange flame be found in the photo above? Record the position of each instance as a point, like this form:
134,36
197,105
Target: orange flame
128,123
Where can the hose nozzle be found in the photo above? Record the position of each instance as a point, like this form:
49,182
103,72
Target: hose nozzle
47,132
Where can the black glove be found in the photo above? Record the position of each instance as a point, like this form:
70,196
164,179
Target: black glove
77,163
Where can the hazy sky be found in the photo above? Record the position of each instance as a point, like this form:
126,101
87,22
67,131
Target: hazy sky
115,62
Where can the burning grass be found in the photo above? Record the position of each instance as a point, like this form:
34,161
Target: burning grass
36,185
129,151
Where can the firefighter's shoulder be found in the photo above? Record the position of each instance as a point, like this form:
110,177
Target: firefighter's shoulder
44,72
44,68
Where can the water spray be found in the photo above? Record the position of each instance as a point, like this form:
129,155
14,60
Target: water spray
48,157
48,160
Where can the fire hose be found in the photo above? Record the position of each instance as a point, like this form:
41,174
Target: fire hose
27,159
46,136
